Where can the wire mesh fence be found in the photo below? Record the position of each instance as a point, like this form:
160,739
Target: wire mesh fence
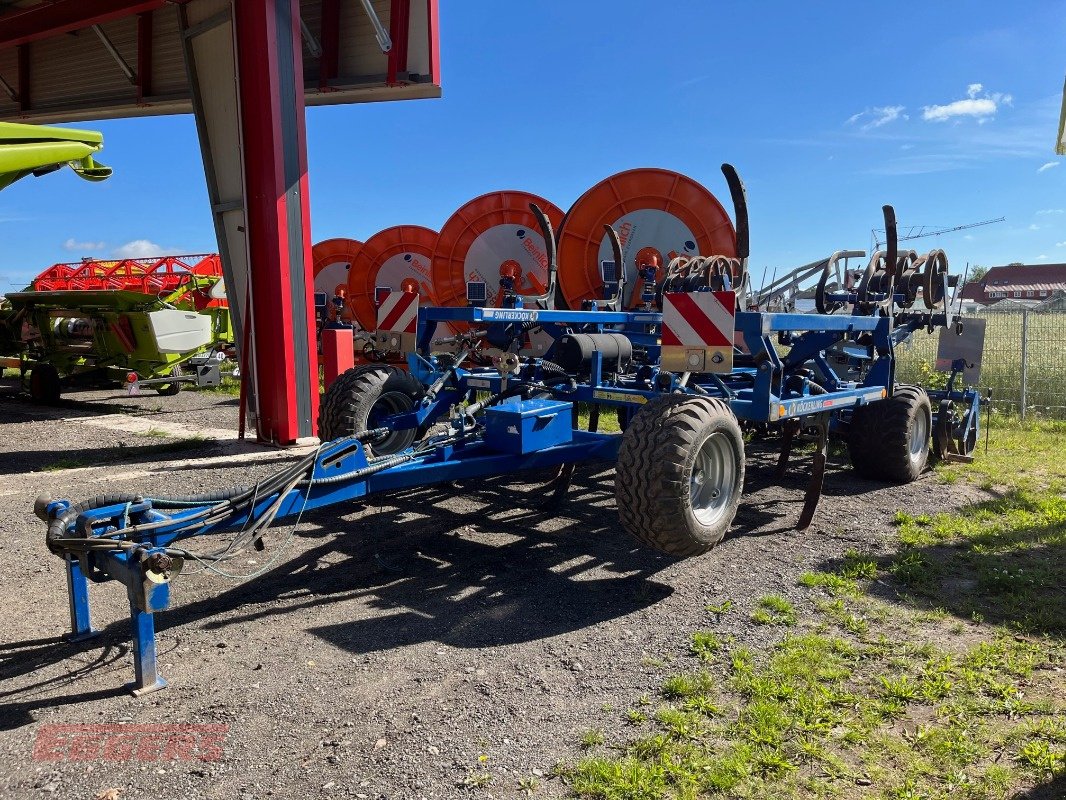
1024,360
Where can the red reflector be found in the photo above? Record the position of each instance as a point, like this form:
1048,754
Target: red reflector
131,377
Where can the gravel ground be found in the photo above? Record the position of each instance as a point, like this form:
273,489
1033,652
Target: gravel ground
401,650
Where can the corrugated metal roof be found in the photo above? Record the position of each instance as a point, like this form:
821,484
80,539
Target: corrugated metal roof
73,76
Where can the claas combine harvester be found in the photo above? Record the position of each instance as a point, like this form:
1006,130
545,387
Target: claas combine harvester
642,312
133,321
144,322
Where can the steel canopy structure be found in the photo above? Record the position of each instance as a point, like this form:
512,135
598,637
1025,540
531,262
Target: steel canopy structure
238,66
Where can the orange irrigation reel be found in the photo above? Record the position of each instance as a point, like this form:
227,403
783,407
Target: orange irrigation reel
658,215
332,261
493,236
388,260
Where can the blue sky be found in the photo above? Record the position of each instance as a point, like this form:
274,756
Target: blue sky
948,111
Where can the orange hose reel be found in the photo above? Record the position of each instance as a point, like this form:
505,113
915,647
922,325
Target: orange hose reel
658,214
493,236
398,258
332,260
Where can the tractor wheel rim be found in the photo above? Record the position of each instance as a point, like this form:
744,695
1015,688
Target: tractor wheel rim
713,475
387,405
919,436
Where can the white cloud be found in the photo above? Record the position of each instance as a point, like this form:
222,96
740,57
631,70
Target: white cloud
981,108
73,244
1052,211
1041,257
139,248
1047,166
1034,227
877,116
968,237
1060,244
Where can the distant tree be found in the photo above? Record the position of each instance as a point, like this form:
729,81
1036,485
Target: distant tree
1016,264
977,273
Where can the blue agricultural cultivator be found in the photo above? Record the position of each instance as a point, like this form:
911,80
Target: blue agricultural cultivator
686,362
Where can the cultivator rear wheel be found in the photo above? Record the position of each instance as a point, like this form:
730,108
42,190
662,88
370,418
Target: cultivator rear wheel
890,439
680,474
361,397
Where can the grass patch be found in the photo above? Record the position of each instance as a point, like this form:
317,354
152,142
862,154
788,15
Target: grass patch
997,560
774,610
65,463
934,671
187,443
705,645
228,386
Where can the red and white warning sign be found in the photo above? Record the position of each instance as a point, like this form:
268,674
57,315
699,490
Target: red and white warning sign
397,321
698,331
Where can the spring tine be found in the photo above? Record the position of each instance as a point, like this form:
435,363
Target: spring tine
814,488
791,428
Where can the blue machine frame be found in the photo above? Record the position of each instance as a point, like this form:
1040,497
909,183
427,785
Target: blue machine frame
793,371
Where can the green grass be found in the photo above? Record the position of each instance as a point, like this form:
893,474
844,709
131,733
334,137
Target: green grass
1002,360
185,443
774,610
65,463
228,386
935,670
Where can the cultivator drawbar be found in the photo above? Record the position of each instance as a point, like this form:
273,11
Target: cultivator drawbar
666,341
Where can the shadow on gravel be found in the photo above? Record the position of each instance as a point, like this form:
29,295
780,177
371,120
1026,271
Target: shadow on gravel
19,462
469,565
466,566
1053,790
22,409
23,658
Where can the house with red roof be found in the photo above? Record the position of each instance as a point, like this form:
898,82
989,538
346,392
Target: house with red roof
1029,283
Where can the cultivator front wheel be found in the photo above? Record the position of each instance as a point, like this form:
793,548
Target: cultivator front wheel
680,474
890,440
360,398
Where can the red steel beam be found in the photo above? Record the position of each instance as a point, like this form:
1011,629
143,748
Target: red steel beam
280,315
330,34
399,32
434,41
52,19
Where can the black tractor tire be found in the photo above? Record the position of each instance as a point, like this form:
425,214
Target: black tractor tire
680,474
890,439
45,385
360,395
170,389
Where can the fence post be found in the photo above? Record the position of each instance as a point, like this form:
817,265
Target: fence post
1025,359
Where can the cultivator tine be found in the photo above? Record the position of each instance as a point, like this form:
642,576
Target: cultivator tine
559,487
814,488
791,428
546,300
